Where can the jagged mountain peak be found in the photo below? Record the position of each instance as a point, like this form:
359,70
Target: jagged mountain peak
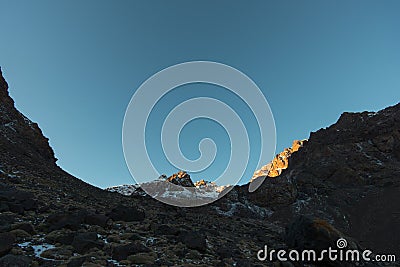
181,178
20,135
5,100
279,163
357,126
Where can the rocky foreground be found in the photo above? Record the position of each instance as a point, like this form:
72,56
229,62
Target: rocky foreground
343,182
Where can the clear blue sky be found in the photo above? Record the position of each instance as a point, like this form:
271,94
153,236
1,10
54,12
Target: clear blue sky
73,66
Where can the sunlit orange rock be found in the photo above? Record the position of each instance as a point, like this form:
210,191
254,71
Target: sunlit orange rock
280,162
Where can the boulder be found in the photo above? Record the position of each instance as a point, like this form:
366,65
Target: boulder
16,201
97,219
62,236
76,261
15,261
83,242
193,240
122,252
127,214
143,258
307,233
5,222
227,250
26,226
67,220
165,229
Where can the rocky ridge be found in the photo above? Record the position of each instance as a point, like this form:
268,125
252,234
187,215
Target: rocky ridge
181,178
19,134
279,163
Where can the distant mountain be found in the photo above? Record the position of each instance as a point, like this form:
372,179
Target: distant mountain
272,169
344,182
176,188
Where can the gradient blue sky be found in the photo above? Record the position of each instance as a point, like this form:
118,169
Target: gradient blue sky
73,66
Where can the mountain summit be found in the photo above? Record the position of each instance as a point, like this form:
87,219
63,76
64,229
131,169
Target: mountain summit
181,178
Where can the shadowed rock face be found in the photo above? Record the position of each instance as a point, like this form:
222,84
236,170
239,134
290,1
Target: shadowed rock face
347,174
360,174
345,179
318,235
20,135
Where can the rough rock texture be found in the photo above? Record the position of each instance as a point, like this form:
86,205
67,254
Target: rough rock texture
316,234
19,134
346,175
14,261
200,183
7,241
280,162
181,178
128,214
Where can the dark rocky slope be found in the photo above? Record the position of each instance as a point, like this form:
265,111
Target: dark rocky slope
346,175
50,218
